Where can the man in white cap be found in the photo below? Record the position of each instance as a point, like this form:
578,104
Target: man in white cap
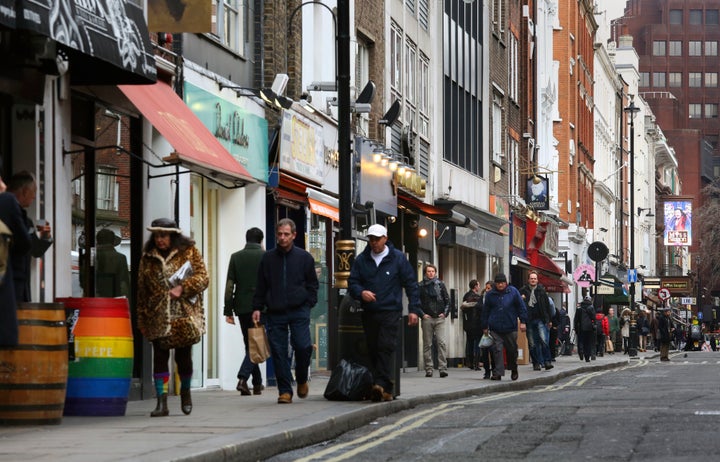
377,278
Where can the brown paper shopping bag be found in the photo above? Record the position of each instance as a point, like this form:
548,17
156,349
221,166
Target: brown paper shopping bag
258,344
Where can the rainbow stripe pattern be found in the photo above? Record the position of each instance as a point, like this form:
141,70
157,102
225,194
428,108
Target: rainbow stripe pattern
99,378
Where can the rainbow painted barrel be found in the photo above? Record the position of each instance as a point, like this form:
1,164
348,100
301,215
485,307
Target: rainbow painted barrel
99,376
33,374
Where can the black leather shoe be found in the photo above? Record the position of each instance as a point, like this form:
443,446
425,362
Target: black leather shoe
242,387
443,374
536,367
257,389
428,374
496,377
548,366
514,375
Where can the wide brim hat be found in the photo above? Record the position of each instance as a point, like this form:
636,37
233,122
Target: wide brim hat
164,225
107,236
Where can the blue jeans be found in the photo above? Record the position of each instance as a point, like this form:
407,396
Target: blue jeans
297,323
539,344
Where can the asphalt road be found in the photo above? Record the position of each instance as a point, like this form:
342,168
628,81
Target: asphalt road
646,410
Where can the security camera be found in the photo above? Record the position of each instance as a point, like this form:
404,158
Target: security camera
322,86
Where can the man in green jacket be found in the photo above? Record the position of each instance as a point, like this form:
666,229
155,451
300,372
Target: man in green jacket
239,291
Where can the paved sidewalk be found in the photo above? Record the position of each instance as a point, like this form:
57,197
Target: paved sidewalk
225,426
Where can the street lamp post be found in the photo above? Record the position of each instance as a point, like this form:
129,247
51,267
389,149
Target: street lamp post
632,110
345,245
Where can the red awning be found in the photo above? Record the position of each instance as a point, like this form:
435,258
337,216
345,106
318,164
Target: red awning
196,148
419,206
544,263
552,284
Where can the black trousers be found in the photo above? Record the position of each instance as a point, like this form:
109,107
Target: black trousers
382,335
246,322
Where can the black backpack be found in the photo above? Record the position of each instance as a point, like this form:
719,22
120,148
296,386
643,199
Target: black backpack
587,318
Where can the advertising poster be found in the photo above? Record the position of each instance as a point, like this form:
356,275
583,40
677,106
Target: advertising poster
677,216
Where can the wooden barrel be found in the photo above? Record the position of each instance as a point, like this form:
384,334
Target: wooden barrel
33,374
99,377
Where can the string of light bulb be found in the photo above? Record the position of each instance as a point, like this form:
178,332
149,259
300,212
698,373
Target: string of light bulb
386,158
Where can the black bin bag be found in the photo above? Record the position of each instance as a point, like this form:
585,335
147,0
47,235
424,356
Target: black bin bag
349,381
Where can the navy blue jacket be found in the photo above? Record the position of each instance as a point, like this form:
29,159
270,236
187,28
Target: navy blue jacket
385,280
286,281
501,310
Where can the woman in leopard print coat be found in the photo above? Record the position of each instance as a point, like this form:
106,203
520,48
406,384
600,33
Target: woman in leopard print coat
171,315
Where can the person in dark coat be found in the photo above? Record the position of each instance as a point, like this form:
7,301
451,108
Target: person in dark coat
584,323
435,303
539,322
377,278
239,290
470,301
111,270
287,286
11,214
23,186
666,330
502,307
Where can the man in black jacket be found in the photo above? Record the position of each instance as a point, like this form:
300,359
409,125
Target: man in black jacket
539,322
435,303
239,291
287,285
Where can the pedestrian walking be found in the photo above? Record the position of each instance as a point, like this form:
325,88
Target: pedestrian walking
501,310
377,278
625,320
666,330
584,324
287,287
240,287
614,323
471,300
539,322
171,280
435,304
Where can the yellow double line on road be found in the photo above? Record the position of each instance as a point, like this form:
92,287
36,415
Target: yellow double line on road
417,419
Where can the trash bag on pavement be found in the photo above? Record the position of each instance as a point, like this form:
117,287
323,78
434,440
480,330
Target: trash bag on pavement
349,381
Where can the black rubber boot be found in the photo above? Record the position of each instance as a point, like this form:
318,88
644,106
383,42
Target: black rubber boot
161,410
185,401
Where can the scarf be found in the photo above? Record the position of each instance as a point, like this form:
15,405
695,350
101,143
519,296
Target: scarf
533,300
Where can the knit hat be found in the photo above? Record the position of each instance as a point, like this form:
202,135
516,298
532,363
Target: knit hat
588,299
500,277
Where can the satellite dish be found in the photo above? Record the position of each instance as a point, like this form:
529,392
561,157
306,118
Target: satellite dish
391,115
598,251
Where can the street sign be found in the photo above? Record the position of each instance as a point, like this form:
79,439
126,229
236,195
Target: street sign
664,294
632,275
584,275
687,300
